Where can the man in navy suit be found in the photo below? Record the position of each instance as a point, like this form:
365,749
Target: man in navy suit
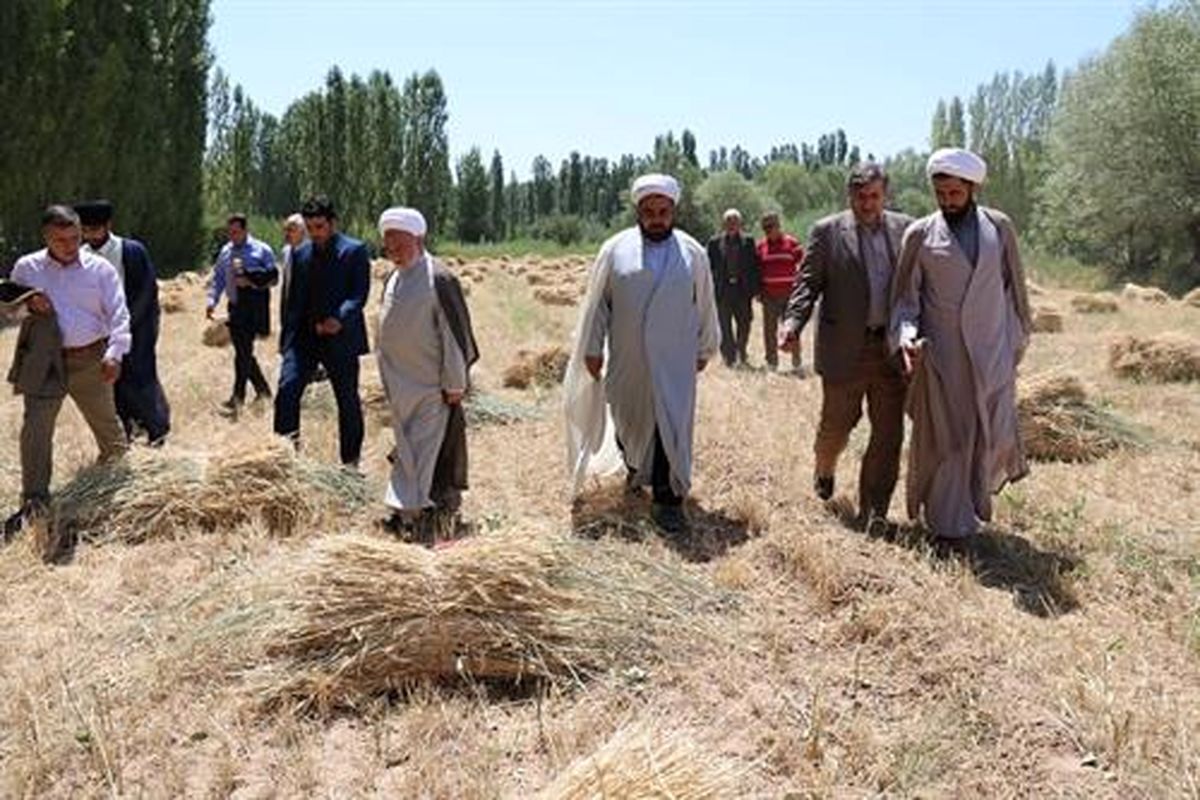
323,324
140,400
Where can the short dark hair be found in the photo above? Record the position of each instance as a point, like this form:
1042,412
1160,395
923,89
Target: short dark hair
237,218
864,173
318,205
769,216
60,216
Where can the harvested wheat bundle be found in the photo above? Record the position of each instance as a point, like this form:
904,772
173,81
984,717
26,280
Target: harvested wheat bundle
482,408
542,368
556,296
1047,319
155,494
1096,303
1165,359
1145,294
1192,298
216,334
357,617
1059,423
172,301
639,762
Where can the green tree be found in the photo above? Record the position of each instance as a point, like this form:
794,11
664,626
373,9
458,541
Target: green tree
473,197
426,175
497,199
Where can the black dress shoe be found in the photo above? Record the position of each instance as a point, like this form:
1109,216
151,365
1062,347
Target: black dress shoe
823,486
668,518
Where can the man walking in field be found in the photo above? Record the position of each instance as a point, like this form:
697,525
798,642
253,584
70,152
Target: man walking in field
961,322
847,268
141,402
77,337
647,326
323,324
424,347
779,256
734,262
245,272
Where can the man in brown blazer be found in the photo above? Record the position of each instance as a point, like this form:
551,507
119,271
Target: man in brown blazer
848,267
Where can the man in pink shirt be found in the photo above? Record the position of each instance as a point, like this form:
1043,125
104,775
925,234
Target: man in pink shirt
83,293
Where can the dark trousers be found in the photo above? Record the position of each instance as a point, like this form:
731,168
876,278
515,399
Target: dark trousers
245,365
142,402
660,474
295,372
734,313
877,381
773,310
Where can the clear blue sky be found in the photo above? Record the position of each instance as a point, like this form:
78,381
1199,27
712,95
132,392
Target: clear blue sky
605,76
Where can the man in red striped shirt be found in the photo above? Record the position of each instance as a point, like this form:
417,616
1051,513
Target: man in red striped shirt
779,256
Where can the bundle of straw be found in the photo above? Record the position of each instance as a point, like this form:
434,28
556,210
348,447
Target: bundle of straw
1145,294
156,494
1169,358
556,295
358,616
1047,319
1096,303
1059,423
1192,298
640,763
541,368
171,298
216,334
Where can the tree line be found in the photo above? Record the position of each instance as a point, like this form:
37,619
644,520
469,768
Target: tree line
1100,162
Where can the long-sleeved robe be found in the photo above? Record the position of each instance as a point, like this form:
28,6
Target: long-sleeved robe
975,322
654,322
419,357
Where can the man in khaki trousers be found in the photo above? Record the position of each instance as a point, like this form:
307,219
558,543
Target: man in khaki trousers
848,267
82,293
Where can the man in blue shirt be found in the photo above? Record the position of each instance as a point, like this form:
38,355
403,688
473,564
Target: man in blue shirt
323,324
245,272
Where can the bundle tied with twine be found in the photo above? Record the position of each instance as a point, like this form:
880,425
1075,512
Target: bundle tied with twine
357,617
160,493
1164,359
1060,423
543,368
640,762
1047,319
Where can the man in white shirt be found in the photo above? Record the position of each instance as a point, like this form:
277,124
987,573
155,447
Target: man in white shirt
83,292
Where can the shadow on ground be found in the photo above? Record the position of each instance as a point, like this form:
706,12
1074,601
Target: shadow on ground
711,533
1039,580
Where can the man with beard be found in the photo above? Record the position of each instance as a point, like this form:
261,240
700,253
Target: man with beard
245,272
734,262
141,402
424,346
323,324
647,326
961,322
848,268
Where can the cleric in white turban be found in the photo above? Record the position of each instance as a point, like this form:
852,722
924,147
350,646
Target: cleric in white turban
647,326
961,323
957,163
424,348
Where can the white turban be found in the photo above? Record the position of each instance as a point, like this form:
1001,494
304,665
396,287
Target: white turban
294,221
655,184
399,218
957,162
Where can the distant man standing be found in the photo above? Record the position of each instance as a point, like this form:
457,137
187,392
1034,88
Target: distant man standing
141,402
245,272
648,325
735,276
779,255
424,346
294,235
848,268
323,324
82,291
961,322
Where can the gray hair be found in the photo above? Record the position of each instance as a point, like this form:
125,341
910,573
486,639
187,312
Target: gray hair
730,214
60,216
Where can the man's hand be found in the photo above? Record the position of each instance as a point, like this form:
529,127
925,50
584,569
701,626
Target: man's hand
39,304
701,363
329,327
910,356
594,364
787,340
452,398
110,370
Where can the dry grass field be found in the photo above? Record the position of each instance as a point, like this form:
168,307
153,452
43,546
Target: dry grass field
571,651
